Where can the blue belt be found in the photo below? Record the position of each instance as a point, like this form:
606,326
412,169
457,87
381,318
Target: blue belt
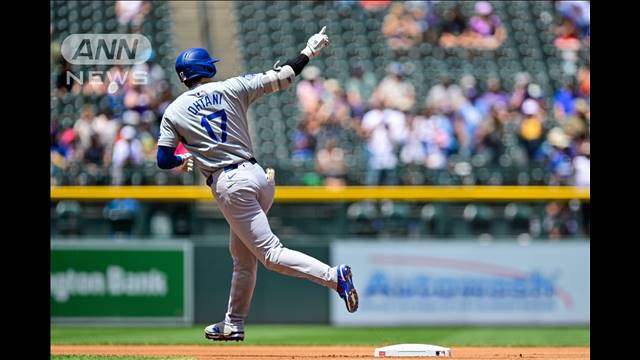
231,167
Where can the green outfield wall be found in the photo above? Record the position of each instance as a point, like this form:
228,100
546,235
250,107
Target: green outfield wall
170,282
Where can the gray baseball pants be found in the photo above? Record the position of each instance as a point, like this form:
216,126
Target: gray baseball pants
244,195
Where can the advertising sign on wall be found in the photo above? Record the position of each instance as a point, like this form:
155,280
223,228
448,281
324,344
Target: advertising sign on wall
105,281
465,283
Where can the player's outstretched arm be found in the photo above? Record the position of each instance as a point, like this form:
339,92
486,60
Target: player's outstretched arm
251,87
282,76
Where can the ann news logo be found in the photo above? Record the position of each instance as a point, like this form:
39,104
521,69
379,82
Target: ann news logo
107,49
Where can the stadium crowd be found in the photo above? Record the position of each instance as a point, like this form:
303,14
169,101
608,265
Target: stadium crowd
409,23
118,134
455,119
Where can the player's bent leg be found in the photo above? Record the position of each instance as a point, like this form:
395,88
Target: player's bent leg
243,212
274,256
294,263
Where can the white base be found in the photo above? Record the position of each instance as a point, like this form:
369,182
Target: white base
412,350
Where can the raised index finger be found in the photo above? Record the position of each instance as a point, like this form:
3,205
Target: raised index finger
323,30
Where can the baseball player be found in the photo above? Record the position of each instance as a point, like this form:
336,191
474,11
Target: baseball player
210,120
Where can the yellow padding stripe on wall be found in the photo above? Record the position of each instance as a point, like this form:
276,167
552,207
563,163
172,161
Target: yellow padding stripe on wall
324,194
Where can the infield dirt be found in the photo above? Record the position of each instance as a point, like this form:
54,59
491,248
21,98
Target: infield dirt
312,352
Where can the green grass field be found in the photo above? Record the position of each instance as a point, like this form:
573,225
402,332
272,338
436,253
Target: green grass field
327,335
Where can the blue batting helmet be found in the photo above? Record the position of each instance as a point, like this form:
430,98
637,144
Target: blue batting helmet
195,62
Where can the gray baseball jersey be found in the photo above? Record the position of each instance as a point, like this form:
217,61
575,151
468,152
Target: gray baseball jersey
211,122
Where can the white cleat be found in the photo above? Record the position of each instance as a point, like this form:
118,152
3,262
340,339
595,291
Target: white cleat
224,332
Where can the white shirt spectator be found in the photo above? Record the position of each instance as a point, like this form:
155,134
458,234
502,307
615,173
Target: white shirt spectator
438,139
83,129
415,151
582,167
127,149
387,128
397,122
105,128
127,10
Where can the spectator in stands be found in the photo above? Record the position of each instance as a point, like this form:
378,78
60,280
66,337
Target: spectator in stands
94,154
360,87
84,126
582,165
127,153
131,14
469,90
400,28
414,151
575,24
491,132
492,96
579,11
558,221
520,93
395,91
94,86
439,137
467,116
443,95
582,177
564,101
62,150
558,156
303,142
164,97
531,128
484,30
106,127
584,81
423,14
137,97
453,25
148,134
330,163
577,125
382,130
62,85
335,105
567,35
310,89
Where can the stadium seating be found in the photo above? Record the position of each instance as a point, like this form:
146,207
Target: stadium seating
276,30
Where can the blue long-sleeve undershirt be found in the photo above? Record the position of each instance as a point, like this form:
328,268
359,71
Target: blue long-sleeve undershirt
167,159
